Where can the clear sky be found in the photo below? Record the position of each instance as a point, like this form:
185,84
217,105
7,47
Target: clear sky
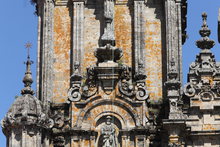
18,25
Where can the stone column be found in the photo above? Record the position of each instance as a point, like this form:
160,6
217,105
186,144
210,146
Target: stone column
77,33
139,43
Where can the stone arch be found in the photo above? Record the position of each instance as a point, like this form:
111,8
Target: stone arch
115,107
120,122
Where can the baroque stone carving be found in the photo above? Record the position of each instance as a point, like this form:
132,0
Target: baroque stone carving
108,37
27,110
108,134
108,72
74,91
61,123
201,85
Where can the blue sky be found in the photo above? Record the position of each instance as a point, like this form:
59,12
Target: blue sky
19,25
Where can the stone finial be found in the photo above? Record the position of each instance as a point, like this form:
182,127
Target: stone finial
27,80
205,42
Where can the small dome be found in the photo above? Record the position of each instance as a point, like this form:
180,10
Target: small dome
26,109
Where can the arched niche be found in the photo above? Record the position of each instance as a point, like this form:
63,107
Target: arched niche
124,112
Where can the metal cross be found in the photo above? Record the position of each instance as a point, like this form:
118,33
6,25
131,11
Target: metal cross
28,45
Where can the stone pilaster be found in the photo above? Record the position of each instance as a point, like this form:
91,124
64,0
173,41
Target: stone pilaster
173,36
77,32
45,52
179,38
139,43
174,55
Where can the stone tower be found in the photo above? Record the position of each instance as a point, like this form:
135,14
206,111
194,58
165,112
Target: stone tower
110,75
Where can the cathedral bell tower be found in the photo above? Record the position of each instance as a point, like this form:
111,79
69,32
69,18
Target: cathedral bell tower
104,69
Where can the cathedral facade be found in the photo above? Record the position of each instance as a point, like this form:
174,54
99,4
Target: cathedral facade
109,74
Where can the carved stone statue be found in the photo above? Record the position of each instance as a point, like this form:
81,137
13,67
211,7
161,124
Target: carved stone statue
108,36
108,134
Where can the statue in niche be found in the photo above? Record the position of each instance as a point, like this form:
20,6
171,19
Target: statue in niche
108,134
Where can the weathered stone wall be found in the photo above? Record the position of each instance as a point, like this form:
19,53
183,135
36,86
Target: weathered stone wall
123,32
92,35
93,31
153,50
62,42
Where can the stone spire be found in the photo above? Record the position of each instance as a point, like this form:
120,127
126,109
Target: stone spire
27,80
26,117
205,43
201,94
